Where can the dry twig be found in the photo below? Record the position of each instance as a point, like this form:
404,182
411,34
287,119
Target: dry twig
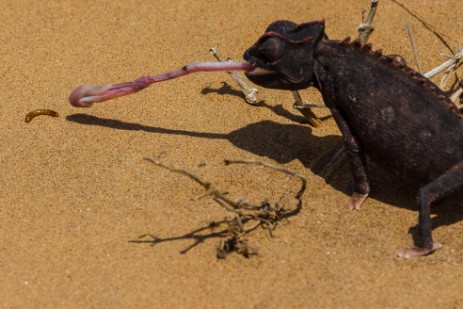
305,109
246,216
249,93
456,97
448,65
366,27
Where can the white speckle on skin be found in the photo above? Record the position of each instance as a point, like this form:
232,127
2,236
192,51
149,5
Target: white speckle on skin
388,114
425,134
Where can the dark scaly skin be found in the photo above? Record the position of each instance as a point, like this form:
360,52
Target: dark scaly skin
383,109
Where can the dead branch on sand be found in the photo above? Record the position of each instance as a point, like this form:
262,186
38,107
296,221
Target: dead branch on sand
246,218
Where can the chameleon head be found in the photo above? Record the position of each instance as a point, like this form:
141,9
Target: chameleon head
283,56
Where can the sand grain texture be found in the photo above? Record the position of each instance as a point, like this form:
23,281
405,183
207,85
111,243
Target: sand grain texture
75,190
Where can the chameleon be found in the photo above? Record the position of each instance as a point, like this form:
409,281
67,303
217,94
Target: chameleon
384,109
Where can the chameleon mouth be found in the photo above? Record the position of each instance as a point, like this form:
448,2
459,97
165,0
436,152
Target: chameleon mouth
269,74
274,79
259,72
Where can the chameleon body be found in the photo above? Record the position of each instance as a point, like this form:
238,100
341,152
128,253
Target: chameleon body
383,108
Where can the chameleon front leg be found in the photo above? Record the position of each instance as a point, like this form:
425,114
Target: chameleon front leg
356,159
444,185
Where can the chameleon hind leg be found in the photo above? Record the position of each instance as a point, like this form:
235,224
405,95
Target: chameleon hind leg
444,185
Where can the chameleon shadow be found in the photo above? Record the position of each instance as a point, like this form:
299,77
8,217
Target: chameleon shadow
284,143
278,109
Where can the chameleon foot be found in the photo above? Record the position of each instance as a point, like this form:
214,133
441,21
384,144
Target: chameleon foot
356,200
416,251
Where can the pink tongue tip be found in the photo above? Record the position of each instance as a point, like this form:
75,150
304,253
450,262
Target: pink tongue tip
78,95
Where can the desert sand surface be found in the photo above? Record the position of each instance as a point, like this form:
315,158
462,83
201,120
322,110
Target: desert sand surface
75,191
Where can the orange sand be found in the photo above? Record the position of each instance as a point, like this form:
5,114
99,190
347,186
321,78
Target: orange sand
75,189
